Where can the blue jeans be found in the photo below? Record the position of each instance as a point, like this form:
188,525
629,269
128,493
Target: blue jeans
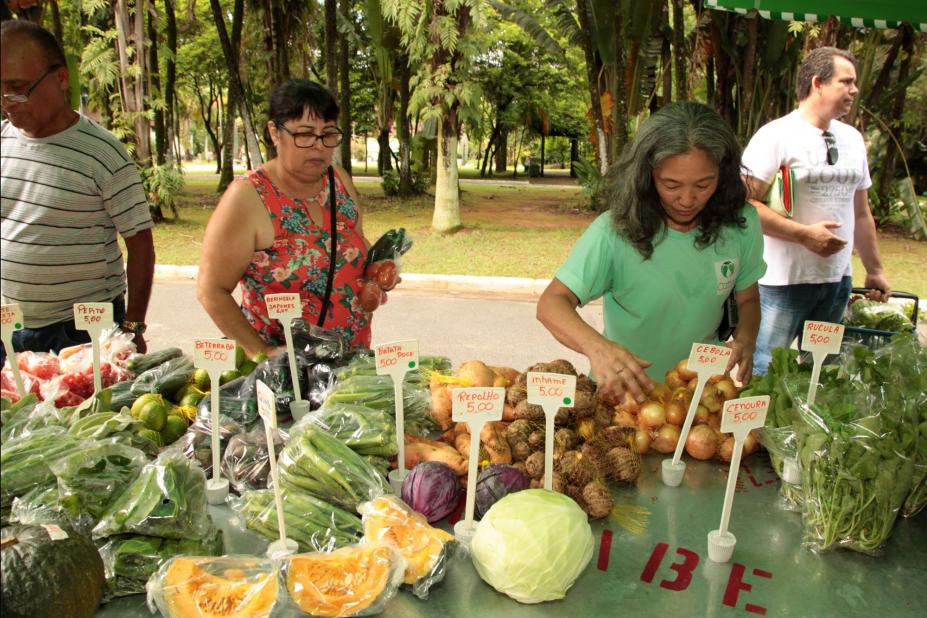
784,309
55,337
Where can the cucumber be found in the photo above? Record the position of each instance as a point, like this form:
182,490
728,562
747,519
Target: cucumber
165,379
143,362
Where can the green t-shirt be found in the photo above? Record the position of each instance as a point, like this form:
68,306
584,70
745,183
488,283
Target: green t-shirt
657,308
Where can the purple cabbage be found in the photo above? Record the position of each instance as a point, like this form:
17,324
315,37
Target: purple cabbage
432,489
495,482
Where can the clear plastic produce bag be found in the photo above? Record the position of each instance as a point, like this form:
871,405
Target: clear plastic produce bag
352,581
368,431
191,586
246,462
782,445
93,477
168,499
196,444
310,521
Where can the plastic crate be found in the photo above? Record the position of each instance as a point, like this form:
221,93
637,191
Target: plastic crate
871,337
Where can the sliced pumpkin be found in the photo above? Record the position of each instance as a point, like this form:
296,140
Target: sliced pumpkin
388,519
345,582
219,587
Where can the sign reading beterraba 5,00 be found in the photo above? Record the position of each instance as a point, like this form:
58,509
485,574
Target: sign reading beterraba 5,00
214,354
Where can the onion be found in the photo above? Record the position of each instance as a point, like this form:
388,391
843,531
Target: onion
702,442
750,444
727,449
701,415
711,398
623,418
651,416
673,380
660,392
727,389
692,384
629,403
682,395
682,368
714,421
666,439
642,441
675,413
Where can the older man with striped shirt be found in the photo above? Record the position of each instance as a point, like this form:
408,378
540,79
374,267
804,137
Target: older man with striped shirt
68,189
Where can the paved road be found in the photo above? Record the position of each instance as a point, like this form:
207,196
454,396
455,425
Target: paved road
461,327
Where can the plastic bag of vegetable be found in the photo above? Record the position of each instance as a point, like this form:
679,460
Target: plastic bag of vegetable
352,581
432,489
92,478
532,545
389,246
168,499
24,461
367,431
427,550
878,316
194,585
196,444
317,462
165,379
782,445
494,483
41,506
313,523
245,460
377,392
129,561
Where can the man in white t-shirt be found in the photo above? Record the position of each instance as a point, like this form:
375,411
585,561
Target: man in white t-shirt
808,255
68,191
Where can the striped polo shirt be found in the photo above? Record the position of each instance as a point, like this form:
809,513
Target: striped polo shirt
63,199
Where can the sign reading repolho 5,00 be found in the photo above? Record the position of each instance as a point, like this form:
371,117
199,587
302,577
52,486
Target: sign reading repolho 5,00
479,402
214,355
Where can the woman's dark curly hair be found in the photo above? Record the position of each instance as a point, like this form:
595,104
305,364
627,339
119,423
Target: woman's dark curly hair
637,213
292,98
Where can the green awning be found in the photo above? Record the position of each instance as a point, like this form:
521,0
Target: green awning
857,13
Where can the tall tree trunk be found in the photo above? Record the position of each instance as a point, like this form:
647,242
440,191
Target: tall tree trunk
154,76
57,28
593,67
344,70
228,141
331,55
502,151
384,161
890,158
679,52
666,56
620,91
403,75
132,80
745,115
281,56
170,83
446,217
231,48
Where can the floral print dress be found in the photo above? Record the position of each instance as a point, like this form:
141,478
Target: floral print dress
298,261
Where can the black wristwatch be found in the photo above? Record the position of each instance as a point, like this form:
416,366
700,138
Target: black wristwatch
136,328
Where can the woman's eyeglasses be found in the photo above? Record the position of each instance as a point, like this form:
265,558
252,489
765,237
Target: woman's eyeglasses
307,139
832,152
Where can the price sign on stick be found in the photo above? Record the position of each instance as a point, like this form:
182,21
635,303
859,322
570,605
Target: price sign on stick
94,318
474,406
738,416
706,360
551,391
821,339
286,307
11,319
267,409
395,359
215,356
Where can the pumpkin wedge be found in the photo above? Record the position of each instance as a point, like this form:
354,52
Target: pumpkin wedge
209,587
346,582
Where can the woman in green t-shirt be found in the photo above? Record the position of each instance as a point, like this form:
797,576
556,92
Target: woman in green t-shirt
677,240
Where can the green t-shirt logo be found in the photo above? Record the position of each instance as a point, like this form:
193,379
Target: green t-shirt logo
726,274
727,269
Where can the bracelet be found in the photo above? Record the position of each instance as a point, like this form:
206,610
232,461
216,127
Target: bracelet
136,328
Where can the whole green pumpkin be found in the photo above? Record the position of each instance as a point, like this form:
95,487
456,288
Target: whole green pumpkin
61,578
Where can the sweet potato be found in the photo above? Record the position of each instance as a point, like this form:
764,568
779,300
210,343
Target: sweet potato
441,406
493,438
420,449
508,374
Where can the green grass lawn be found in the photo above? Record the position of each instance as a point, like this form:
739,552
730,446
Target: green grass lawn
512,231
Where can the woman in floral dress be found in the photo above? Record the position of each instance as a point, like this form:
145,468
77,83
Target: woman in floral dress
271,231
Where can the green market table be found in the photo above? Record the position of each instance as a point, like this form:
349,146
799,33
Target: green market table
662,567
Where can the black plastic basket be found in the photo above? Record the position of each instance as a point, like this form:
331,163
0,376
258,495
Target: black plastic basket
872,337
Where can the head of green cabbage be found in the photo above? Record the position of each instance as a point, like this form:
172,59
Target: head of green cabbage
532,545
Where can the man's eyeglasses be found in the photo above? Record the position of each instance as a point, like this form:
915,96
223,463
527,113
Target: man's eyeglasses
330,138
832,152
24,96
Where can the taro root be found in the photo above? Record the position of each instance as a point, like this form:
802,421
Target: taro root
598,499
521,451
536,440
618,436
524,410
518,391
577,494
624,465
534,465
594,452
576,468
565,439
519,430
584,383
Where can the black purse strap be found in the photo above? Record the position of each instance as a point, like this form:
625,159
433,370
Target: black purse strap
333,255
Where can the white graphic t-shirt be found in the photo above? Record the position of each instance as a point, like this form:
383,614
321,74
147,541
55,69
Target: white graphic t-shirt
821,192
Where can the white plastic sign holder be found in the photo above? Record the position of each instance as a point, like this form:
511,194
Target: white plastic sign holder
215,356
738,416
11,319
94,318
267,410
551,391
474,406
395,359
286,307
821,339
706,360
